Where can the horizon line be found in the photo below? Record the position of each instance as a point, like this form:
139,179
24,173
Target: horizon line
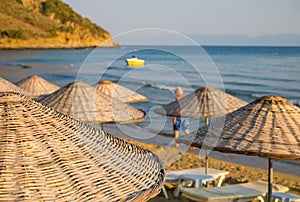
233,45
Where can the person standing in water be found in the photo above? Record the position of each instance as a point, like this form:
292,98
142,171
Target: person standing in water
180,122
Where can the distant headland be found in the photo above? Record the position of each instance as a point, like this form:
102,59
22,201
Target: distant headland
48,24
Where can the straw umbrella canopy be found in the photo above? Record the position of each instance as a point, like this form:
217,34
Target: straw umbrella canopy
6,86
119,92
81,101
48,156
268,127
205,102
37,86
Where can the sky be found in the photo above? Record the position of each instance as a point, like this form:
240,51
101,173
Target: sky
194,17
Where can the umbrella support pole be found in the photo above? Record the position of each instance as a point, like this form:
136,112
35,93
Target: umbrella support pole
206,154
270,180
206,162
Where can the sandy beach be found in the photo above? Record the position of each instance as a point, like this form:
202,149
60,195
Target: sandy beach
241,168
238,173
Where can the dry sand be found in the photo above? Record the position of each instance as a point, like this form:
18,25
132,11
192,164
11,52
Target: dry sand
238,173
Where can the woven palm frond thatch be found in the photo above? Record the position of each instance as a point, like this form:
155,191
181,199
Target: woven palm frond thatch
206,102
268,127
48,156
81,101
119,92
6,86
37,86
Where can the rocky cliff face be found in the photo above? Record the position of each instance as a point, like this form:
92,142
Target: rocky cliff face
47,24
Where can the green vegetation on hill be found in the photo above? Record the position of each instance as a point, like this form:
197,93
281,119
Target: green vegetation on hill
42,19
19,22
65,14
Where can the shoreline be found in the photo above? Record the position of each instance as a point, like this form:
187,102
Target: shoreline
143,136
61,48
129,45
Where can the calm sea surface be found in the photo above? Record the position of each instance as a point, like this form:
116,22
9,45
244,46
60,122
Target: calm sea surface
244,72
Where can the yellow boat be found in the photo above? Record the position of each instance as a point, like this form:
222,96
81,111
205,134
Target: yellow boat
134,61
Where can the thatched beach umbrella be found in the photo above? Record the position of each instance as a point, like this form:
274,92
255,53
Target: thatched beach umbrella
268,127
119,92
81,101
48,156
6,86
37,86
205,102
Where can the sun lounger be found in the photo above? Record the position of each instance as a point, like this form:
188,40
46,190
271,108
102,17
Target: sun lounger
197,179
285,197
174,176
238,192
197,175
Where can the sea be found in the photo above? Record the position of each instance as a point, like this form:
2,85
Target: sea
247,72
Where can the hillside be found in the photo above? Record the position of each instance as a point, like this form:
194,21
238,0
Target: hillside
47,24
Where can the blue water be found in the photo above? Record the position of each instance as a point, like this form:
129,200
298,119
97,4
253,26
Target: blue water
245,72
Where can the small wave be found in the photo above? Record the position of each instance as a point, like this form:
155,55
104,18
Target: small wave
151,85
240,92
60,77
113,67
162,87
23,66
257,95
244,84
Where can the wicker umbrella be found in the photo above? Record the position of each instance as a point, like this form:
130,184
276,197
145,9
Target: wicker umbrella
268,127
47,156
37,86
119,92
81,101
205,102
6,86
